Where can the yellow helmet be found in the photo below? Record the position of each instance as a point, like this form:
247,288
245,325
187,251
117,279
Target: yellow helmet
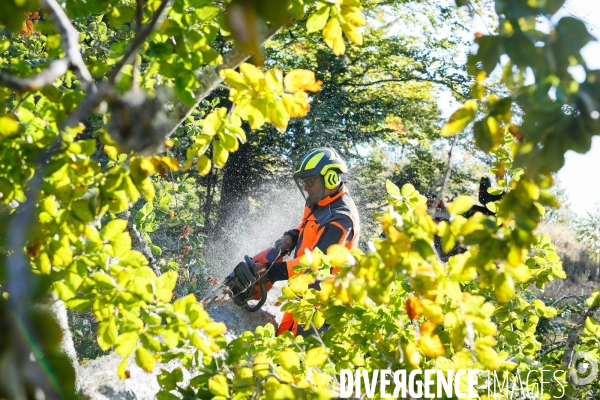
324,163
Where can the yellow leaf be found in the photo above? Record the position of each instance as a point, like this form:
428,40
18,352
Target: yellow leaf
338,46
353,16
147,166
461,204
252,75
204,164
261,365
220,154
317,21
274,79
122,369
299,284
316,357
233,79
332,31
504,287
429,342
326,289
170,162
339,255
414,358
278,114
212,123
296,105
301,80
8,126
289,360
432,311
144,359
198,342
215,329
353,34
461,118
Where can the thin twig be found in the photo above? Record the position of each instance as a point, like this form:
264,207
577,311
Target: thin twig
446,177
568,296
331,364
23,98
138,40
551,348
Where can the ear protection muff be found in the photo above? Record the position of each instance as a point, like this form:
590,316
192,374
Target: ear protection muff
331,179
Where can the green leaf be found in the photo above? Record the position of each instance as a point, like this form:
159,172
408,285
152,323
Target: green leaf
126,343
113,229
408,190
289,360
317,21
392,189
107,334
168,380
318,319
165,284
460,205
207,13
198,342
460,119
117,16
144,359
592,326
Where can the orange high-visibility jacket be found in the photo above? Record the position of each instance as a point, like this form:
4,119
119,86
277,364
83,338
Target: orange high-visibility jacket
333,220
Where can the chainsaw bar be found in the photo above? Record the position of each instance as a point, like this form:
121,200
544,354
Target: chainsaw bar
219,294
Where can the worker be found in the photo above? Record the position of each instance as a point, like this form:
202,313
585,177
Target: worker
330,217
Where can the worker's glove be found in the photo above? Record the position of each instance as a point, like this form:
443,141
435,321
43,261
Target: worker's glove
261,273
284,244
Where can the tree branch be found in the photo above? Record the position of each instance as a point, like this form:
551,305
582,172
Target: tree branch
55,70
69,38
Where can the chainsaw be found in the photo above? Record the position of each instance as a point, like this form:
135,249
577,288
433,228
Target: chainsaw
240,286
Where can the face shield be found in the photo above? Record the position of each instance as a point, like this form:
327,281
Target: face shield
312,188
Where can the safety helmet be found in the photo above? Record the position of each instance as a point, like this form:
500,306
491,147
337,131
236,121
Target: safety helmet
325,164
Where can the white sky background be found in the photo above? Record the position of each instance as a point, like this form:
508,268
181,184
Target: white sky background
580,175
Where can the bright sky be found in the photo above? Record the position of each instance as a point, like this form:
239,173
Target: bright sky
579,176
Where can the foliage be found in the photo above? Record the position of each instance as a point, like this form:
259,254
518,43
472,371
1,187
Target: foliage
61,230
588,232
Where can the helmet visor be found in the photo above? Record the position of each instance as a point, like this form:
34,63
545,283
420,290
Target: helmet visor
312,188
